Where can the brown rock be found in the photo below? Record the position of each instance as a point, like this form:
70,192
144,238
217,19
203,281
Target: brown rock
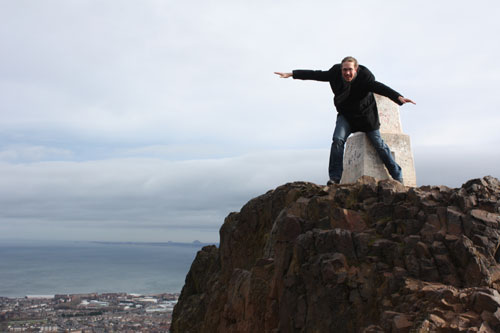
454,224
485,328
367,257
488,218
401,324
437,321
347,219
492,318
373,329
486,301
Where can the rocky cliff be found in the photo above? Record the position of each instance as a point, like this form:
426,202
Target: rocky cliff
368,257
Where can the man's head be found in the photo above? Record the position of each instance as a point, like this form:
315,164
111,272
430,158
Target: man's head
349,68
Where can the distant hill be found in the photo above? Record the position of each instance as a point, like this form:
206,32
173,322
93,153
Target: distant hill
168,243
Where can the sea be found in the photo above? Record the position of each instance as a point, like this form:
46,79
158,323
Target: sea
77,267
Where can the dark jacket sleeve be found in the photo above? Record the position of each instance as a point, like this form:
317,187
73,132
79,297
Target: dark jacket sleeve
382,89
304,74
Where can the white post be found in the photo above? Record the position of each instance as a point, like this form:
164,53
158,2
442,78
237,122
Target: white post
361,159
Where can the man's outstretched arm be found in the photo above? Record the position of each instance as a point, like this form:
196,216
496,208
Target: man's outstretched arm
404,100
284,75
382,89
306,74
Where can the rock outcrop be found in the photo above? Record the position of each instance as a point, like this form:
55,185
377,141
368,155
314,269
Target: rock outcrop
367,257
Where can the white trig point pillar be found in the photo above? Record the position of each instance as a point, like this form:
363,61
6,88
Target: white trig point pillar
361,159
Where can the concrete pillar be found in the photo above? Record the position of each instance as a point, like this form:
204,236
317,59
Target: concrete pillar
361,159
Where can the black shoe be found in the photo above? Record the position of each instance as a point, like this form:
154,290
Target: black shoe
333,181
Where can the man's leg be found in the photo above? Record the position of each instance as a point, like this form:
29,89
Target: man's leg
385,155
336,166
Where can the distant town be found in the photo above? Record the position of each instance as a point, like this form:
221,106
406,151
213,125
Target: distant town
85,313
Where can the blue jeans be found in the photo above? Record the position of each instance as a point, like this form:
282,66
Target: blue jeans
342,131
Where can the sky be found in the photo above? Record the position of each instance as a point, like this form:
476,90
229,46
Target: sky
152,120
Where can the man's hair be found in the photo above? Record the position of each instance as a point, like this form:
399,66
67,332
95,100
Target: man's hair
350,59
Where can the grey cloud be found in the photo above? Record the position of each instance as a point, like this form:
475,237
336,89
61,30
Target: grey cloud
454,165
23,153
150,194
136,191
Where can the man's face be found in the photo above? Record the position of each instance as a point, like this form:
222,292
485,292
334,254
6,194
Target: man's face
349,71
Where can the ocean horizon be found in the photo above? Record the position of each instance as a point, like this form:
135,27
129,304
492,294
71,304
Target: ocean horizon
78,267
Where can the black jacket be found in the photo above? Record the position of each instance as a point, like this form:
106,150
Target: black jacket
353,100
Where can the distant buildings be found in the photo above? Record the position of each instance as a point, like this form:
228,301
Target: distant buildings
117,312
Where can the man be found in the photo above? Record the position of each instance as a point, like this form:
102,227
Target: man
353,86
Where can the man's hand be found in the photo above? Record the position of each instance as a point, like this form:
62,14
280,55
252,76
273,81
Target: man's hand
406,100
284,75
